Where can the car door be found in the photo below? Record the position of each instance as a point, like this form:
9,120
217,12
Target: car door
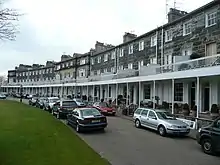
152,120
216,134
74,117
143,117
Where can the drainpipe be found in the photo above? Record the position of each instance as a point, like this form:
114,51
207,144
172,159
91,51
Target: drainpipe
162,45
156,45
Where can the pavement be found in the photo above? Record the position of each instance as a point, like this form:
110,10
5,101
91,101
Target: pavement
123,144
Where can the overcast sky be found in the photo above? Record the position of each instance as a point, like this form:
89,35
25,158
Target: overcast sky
51,27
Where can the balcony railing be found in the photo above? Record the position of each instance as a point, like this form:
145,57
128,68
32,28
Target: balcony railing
204,62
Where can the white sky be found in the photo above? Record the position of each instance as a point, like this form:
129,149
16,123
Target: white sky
51,27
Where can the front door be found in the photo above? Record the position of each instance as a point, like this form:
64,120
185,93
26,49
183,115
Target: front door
193,95
206,97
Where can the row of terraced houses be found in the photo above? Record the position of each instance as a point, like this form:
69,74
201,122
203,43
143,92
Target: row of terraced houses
177,63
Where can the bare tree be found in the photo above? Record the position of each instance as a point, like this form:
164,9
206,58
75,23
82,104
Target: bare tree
2,80
8,28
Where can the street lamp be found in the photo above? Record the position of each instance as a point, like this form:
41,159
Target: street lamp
21,93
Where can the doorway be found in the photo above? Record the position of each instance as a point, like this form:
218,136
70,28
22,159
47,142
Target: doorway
193,95
206,97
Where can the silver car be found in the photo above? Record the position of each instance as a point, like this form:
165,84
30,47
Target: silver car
160,120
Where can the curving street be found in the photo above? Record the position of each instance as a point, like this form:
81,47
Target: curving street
123,144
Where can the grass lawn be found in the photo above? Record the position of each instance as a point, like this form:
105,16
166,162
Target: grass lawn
30,136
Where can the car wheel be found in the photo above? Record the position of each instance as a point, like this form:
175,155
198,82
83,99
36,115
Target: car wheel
78,128
137,123
207,146
162,130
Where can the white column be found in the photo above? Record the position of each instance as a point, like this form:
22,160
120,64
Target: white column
87,93
154,93
127,95
108,92
197,97
172,96
101,93
93,93
116,94
139,99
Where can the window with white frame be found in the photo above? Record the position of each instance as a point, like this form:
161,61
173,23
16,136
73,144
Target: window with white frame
130,49
141,45
63,65
120,67
98,72
113,55
58,67
168,35
154,40
187,28
67,64
83,61
121,52
105,70
71,63
105,57
130,66
178,92
153,60
211,19
147,91
82,73
99,59
92,61
140,63
187,52
112,69
211,49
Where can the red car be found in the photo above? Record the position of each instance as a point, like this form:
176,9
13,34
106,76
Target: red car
104,108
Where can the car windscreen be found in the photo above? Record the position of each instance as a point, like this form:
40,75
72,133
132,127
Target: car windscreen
54,100
165,115
103,104
69,104
90,112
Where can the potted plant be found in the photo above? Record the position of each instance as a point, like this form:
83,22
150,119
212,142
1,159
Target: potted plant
214,111
194,111
186,109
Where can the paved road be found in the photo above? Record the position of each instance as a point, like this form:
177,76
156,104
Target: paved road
123,144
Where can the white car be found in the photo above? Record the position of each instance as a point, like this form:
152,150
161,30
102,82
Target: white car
50,101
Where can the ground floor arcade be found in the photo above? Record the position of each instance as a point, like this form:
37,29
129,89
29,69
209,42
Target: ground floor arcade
200,91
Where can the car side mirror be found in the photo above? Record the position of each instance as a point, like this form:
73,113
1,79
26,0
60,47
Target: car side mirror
155,118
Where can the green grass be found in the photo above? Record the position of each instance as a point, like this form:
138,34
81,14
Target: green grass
29,136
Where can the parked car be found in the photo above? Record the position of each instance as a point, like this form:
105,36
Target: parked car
86,119
40,102
80,103
104,108
63,107
2,96
50,101
160,120
209,137
32,101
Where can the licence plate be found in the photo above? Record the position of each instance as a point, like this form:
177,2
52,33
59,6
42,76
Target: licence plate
95,121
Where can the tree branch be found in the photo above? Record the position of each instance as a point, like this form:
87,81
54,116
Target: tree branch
8,29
